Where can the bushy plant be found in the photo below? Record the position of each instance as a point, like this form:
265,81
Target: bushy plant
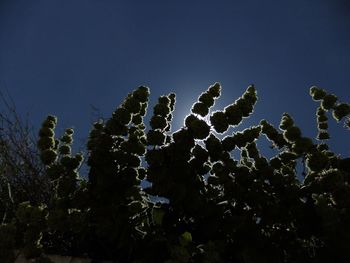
218,207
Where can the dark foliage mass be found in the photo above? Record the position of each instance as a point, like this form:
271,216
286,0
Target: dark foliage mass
218,208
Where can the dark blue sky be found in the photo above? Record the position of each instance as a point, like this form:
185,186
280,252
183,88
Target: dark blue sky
61,56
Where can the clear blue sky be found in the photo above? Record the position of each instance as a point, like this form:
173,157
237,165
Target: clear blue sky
61,56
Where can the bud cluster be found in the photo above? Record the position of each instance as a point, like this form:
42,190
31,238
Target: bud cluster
160,121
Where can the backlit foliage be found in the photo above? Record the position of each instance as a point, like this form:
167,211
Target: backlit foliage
220,206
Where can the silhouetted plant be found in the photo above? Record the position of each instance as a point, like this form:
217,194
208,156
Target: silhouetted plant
22,176
220,206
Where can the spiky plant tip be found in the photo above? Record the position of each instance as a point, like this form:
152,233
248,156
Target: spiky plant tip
49,124
286,122
317,93
215,90
69,131
52,118
142,94
251,89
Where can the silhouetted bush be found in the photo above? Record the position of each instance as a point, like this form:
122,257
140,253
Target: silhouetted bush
22,176
218,208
